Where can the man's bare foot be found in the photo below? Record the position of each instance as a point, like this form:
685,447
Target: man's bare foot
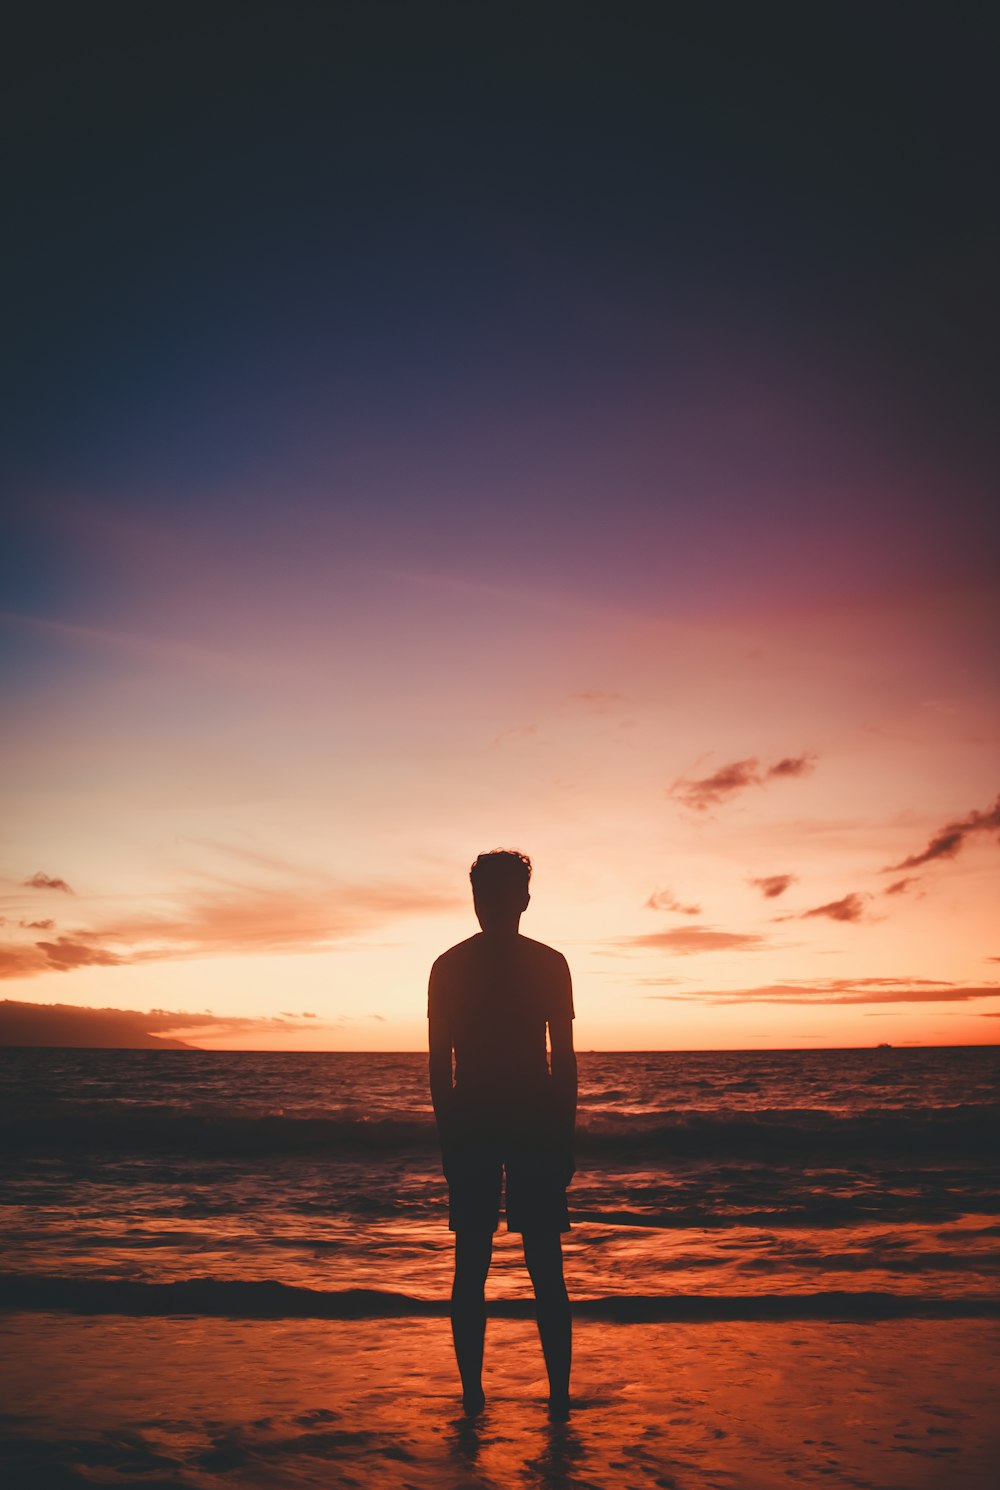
473,1403
559,1407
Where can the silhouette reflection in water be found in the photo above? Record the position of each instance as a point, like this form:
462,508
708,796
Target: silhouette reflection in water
505,1107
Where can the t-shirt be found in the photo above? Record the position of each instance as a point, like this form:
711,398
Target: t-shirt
495,996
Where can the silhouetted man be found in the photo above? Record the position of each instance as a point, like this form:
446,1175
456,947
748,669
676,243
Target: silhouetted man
505,1113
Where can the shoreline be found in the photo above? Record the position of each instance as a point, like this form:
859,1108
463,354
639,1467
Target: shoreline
261,1300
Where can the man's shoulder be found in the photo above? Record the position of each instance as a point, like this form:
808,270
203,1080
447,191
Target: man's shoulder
541,953
454,957
541,949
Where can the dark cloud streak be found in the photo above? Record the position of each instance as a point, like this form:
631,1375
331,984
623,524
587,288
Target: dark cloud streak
849,908
710,791
948,841
844,991
688,939
42,881
773,885
793,765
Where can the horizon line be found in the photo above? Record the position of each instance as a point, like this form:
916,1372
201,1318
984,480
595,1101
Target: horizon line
181,1049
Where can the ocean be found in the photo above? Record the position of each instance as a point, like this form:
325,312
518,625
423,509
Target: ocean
733,1184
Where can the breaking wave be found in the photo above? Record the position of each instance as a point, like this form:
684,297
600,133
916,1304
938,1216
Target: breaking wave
774,1134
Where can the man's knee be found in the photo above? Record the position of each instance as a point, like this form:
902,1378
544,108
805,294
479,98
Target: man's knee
473,1254
543,1254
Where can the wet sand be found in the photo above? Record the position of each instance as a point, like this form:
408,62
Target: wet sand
200,1404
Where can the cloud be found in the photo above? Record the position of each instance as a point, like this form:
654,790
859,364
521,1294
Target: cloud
844,991
37,925
898,887
24,1023
65,953
773,885
19,961
849,908
793,765
948,841
710,791
688,939
665,900
234,919
42,881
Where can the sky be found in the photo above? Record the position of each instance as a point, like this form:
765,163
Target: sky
439,428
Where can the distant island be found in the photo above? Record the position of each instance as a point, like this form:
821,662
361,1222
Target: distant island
69,1026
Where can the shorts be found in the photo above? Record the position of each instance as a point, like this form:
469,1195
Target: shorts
536,1180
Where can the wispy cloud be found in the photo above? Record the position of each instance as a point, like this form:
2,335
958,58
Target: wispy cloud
710,791
666,900
848,908
844,991
948,841
41,881
45,925
18,960
65,953
689,939
773,885
597,700
899,887
312,915
792,765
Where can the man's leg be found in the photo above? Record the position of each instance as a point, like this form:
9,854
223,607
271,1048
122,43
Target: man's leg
473,1253
543,1254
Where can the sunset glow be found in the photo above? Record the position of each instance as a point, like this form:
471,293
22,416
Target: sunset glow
267,810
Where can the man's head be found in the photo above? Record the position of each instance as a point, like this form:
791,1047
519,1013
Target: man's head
500,888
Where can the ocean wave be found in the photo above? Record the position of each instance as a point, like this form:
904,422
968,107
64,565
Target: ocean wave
271,1300
771,1134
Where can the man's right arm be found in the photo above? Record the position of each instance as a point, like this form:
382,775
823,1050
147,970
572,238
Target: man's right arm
563,1059
440,1043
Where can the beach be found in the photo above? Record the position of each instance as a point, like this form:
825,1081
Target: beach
200,1404
232,1269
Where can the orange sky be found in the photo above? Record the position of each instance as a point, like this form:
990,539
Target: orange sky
278,829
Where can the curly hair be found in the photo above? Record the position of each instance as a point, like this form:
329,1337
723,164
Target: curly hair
502,871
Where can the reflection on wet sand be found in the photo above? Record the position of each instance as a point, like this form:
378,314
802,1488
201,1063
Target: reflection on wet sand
210,1404
560,1458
